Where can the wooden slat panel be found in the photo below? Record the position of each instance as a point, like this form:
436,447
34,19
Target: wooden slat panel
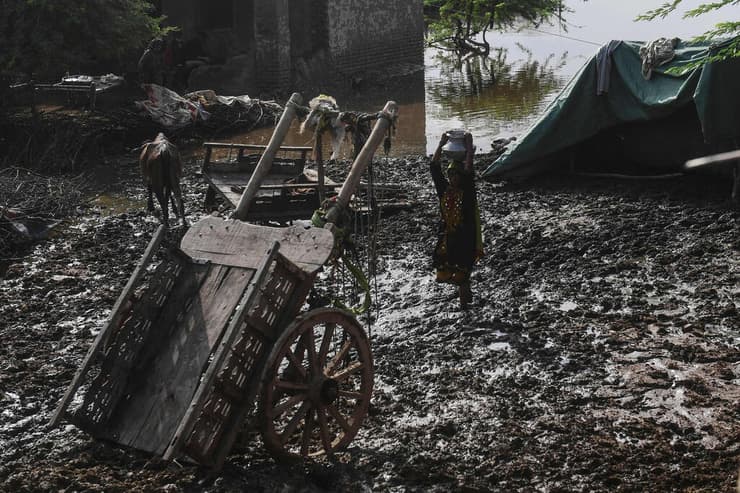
241,244
231,185
125,350
205,388
113,321
240,179
287,288
226,145
165,383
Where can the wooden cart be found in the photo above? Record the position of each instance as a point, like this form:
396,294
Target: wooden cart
217,333
289,191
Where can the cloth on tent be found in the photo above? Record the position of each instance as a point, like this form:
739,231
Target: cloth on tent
706,93
604,66
656,53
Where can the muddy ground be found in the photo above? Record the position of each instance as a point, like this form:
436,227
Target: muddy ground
601,352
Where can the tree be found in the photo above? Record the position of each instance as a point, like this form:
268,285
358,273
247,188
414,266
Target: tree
46,38
728,29
461,25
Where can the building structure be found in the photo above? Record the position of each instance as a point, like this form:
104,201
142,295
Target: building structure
256,46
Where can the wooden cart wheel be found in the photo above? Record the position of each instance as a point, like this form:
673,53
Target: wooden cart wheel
317,385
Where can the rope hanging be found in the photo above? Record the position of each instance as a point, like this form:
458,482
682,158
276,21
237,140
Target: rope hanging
350,268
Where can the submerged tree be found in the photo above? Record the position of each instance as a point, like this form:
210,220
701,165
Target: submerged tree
46,38
517,90
462,25
728,29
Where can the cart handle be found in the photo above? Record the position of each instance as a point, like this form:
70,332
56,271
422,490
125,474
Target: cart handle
265,162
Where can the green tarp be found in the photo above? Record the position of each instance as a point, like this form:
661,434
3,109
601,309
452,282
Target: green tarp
710,94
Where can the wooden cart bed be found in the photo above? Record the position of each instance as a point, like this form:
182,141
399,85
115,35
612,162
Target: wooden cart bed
289,191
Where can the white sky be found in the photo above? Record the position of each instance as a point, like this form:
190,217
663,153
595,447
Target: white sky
603,20
599,21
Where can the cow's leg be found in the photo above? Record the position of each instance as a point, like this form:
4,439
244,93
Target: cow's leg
180,209
175,210
167,198
150,200
162,199
175,170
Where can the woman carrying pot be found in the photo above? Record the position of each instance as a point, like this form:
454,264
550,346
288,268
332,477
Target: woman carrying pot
459,243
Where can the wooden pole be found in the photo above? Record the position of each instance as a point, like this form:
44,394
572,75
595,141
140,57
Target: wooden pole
390,110
319,155
724,157
265,162
92,93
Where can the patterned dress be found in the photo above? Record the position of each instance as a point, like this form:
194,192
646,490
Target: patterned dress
459,241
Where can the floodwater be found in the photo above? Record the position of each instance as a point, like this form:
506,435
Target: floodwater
501,95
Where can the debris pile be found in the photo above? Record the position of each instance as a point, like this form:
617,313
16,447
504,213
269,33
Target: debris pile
32,205
499,146
205,108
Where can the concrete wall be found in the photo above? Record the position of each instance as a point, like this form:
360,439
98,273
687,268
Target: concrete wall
277,45
272,38
230,48
304,41
235,39
366,35
182,13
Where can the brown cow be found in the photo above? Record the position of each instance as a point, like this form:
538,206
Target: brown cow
161,169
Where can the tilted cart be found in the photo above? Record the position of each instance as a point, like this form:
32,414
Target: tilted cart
217,333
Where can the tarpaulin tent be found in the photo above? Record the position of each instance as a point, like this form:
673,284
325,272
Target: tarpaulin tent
634,121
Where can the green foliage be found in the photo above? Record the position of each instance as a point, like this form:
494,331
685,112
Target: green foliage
46,38
728,29
459,24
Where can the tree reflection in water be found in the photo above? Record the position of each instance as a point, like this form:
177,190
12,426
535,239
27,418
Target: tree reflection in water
491,92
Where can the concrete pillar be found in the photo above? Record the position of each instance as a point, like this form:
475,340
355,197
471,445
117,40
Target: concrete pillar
272,40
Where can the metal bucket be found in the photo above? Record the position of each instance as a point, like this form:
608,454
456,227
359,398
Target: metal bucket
455,149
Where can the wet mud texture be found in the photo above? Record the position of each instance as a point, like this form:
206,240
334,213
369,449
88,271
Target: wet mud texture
601,352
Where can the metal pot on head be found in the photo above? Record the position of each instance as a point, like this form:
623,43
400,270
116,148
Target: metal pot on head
455,149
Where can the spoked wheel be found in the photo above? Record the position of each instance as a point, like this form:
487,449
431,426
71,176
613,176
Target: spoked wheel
317,385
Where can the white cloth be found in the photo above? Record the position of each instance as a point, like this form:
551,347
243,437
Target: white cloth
321,106
656,53
169,109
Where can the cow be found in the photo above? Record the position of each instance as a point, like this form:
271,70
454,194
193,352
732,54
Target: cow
161,169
